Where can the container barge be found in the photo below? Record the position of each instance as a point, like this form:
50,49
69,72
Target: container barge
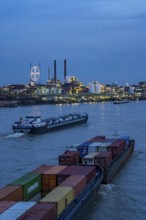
36,125
60,192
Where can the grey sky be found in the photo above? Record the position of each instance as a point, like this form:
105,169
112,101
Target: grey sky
103,40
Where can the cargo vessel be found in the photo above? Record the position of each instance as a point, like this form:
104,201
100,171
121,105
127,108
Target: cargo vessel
121,101
61,192
35,125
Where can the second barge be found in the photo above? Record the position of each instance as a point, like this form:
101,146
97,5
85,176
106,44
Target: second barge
36,125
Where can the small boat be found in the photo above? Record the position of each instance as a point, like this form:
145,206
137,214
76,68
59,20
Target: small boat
36,125
121,101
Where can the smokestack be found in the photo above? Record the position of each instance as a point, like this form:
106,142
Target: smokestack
55,71
65,69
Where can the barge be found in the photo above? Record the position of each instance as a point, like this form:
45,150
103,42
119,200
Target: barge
121,101
61,192
36,125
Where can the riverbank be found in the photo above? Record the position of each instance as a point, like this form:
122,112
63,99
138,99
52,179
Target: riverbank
64,99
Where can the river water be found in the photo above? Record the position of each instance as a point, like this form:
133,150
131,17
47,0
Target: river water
125,197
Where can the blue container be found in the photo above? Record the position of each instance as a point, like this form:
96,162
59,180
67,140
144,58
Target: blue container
83,150
85,144
126,138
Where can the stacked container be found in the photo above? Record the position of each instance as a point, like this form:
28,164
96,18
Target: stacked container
78,182
30,183
69,158
49,178
42,211
42,168
11,193
117,147
126,138
16,210
89,158
97,138
103,159
60,196
83,149
4,205
103,146
88,171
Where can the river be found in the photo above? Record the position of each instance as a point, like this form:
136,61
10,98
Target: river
125,197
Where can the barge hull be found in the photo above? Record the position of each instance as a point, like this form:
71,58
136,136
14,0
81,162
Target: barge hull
59,126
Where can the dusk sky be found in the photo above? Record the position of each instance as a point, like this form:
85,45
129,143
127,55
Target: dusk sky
103,40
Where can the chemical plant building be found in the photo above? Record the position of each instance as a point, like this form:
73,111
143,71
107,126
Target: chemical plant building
70,86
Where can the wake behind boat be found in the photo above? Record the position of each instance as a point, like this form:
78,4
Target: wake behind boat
36,125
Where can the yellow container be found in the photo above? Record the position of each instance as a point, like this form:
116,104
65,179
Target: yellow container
61,196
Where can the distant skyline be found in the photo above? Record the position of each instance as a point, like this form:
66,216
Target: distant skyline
103,40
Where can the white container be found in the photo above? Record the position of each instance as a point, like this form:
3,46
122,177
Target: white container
89,159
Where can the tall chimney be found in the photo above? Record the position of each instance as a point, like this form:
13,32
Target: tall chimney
55,71
65,72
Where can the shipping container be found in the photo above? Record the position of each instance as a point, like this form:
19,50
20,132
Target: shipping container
103,159
89,158
40,211
68,171
126,138
88,171
115,150
41,169
97,138
93,147
16,210
69,158
117,147
60,196
85,144
49,178
103,146
78,182
11,193
31,183
83,150
4,205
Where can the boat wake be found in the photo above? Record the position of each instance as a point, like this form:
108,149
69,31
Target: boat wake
14,135
106,189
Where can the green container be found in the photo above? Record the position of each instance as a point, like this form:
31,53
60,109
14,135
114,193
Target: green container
31,183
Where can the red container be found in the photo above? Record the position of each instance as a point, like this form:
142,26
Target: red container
103,159
78,182
88,171
41,169
69,158
40,211
4,205
114,150
68,171
117,147
121,143
11,193
97,138
49,178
